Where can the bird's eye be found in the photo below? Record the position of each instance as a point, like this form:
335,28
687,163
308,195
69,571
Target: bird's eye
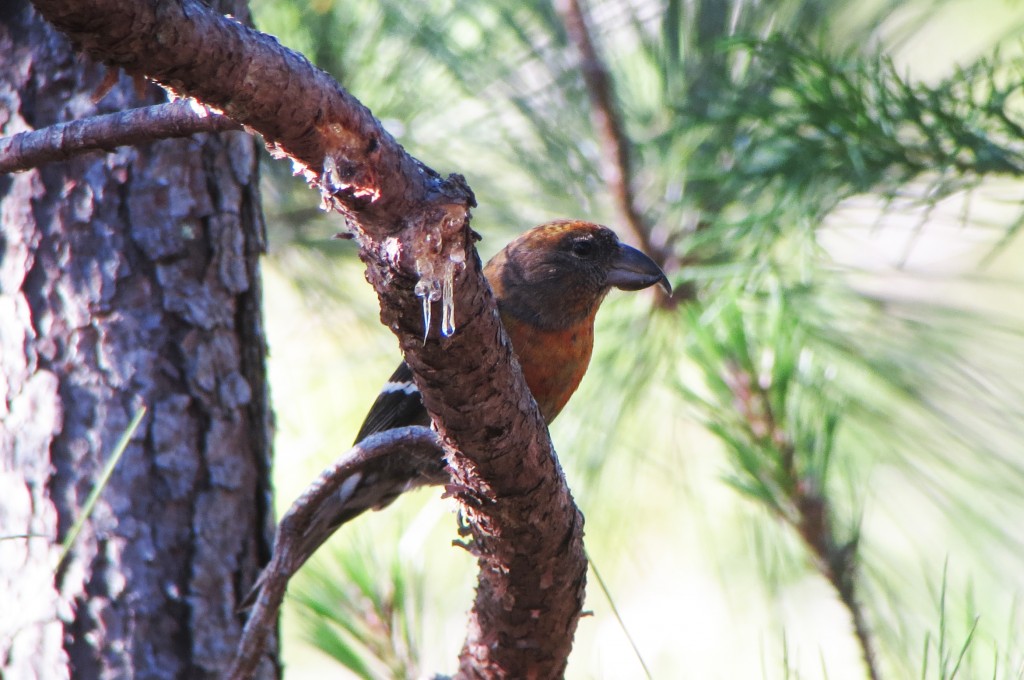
583,247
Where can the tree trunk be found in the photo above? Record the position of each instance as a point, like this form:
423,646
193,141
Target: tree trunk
126,279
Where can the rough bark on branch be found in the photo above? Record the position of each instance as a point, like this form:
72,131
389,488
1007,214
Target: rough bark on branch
103,133
413,229
251,77
417,445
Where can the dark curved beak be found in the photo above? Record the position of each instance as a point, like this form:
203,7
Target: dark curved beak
632,270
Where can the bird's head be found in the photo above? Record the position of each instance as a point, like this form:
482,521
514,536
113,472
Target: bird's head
557,274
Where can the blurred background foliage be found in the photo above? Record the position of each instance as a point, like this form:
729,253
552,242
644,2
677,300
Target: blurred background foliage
818,449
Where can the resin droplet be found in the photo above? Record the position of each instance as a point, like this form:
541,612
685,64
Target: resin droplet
448,301
428,290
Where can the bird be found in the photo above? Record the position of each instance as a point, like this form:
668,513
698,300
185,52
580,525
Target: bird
548,283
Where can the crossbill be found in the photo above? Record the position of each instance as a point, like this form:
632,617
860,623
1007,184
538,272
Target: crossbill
548,283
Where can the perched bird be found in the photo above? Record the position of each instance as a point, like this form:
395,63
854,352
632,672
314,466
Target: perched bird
548,284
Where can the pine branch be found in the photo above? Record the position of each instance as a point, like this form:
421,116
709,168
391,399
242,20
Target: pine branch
300,110
797,499
617,166
413,229
103,133
856,125
412,444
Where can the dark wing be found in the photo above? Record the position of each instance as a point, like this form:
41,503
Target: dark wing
398,404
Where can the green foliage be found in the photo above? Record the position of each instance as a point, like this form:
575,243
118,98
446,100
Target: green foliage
864,399
365,614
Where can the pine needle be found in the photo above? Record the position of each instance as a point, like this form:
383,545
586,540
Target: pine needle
90,502
615,612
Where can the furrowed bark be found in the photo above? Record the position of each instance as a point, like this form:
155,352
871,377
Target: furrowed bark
127,279
413,229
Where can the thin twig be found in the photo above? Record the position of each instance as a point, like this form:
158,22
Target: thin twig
402,444
617,165
837,562
60,142
808,511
